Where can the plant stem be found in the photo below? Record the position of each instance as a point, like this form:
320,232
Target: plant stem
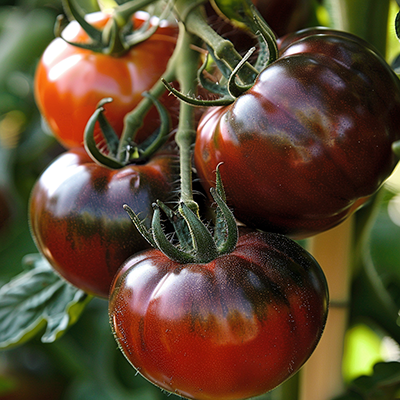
193,16
365,18
188,61
134,119
321,377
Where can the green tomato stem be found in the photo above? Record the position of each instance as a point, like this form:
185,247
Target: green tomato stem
123,13
134,120
193,16
188,62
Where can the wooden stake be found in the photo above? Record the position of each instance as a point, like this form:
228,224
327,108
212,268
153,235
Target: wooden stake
321,377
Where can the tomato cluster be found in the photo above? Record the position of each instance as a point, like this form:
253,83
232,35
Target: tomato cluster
297,151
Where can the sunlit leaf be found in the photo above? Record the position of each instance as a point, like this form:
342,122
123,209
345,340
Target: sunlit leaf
35,300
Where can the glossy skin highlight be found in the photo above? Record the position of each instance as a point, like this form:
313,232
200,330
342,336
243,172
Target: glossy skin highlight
77,219
231,329
70,81
310,141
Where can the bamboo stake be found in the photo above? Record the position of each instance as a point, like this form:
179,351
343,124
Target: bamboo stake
321,376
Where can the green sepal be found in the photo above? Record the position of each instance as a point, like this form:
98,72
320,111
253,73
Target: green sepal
226,231
164,245
38,299
146,233
222,101
264,32
244,14
77,13
203,242
112,35
218,183
146,30
234,89
180,227
223,68
226,237
146,149
117,37
212,87
90,142
111,138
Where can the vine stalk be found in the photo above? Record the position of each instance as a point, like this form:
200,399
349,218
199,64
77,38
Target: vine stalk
186,73
321,377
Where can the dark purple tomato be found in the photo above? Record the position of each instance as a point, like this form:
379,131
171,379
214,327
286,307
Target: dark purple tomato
77,219
231,329
310,141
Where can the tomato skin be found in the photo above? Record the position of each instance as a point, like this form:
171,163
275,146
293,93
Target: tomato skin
70,81
230,329
310,141
77,219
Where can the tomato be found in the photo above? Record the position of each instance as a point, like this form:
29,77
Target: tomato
70,81
230,329
310,141
77,219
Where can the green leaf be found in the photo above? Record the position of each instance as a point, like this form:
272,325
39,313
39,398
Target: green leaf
383,384
38,298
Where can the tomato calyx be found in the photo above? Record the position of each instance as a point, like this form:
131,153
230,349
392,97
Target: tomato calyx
118,36
112,154
196,243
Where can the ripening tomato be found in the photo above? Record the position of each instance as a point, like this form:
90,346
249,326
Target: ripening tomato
230,329
310,141
77,219
70,81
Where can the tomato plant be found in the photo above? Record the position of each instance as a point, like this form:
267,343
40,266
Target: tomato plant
77,219
70,81
299,133
283,17
232,328
311,140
